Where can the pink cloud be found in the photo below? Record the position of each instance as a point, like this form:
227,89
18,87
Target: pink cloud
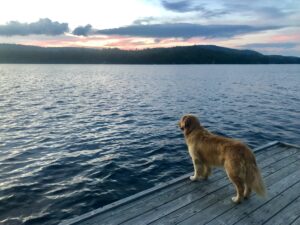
140,43
284,37
114,41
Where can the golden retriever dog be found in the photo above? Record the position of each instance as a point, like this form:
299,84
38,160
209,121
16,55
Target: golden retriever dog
209,150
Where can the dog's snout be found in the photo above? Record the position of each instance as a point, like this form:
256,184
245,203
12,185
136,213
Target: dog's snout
179,125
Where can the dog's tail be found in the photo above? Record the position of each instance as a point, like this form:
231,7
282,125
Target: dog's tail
255,180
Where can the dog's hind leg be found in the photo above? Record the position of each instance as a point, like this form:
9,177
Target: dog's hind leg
247,191
238,183
239,187
206,171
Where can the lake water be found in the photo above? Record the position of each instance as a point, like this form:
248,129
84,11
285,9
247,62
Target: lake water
77,137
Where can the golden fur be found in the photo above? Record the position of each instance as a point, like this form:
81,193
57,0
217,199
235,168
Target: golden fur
208,150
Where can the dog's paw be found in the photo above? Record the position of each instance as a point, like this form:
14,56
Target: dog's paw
236,199
194,178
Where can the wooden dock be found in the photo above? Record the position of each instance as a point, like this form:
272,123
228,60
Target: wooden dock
181,201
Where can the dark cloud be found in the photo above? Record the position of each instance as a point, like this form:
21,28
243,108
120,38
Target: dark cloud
271,12
265,11
43,26
82,31
184,30
285,45
191,6
207,9
179,6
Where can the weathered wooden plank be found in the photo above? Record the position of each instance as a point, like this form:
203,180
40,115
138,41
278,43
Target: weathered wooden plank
275,156
107,210
296,221
157,200
263,207
286,215
143,205
181,202
178,203
218,209
289,145
270,208
266,146
199,204
238,211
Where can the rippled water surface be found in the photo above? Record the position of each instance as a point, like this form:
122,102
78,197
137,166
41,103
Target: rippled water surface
76,137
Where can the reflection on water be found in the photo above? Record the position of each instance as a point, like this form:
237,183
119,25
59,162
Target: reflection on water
76,137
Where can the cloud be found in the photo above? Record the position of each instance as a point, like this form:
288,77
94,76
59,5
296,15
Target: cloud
82,31
216,8
179,6
184,30
191,6
285,45
43,26
272,12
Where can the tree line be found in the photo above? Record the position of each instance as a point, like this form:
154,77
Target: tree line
197,54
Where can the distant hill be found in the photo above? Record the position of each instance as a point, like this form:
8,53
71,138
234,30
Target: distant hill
198,54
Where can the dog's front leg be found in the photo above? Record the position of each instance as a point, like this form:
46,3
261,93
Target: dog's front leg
197,169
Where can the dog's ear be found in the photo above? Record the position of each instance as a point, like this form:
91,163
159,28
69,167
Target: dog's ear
187,122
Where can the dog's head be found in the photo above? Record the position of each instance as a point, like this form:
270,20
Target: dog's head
188,123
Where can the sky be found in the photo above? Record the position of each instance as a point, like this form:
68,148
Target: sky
267,26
